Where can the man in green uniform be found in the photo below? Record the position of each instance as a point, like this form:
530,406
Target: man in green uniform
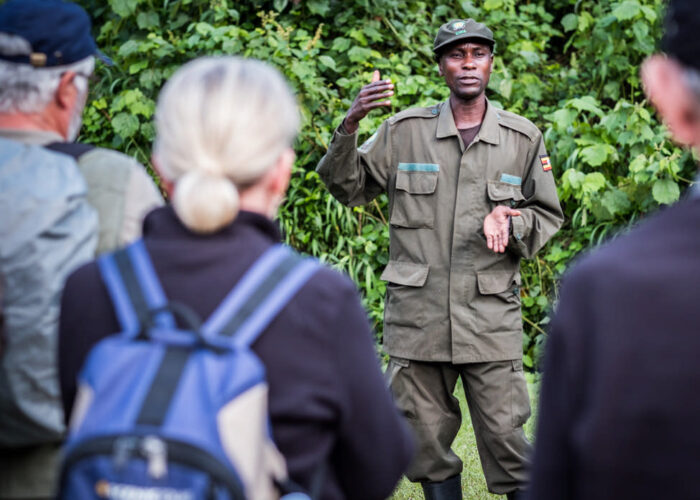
470,192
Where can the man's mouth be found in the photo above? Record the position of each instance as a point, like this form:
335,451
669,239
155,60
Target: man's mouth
468,79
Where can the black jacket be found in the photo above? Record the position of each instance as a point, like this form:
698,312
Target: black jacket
328,399
620,401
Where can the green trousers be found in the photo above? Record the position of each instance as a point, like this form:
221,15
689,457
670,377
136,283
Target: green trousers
496,393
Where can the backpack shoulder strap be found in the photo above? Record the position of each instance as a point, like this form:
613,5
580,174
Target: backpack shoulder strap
259,296
74,149
134,288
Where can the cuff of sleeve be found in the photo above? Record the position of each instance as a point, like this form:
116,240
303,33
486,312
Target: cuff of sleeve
341,130
517,228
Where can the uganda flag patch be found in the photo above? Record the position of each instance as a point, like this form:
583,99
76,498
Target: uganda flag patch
546,166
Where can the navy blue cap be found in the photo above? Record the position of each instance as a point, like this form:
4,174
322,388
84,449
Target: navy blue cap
51,33
681,38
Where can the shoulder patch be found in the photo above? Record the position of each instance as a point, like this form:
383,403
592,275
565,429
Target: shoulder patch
427,112
519,124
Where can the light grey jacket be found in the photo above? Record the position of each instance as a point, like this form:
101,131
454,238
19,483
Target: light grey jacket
47,229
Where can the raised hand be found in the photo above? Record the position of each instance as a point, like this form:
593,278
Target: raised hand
496,225
371,96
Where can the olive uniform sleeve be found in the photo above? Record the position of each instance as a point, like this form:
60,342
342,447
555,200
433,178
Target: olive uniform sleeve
356,176
541,215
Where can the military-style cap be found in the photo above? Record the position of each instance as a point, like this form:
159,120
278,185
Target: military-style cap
461,29
46,33
681,38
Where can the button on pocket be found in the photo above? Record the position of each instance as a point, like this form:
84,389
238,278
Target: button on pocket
414,197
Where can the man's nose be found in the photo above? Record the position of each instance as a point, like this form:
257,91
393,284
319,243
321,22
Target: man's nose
469,61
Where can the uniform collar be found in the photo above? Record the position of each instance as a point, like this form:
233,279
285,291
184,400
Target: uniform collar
35,137
489,126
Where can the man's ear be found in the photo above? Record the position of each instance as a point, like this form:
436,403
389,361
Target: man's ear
66,93
665,86
440,67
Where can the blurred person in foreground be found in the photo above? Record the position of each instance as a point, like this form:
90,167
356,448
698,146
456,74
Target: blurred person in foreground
223,149
54,215
619,408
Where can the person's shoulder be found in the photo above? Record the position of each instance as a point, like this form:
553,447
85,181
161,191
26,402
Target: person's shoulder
518,123
420,113
112,158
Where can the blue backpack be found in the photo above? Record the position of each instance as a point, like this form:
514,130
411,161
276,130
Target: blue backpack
180,414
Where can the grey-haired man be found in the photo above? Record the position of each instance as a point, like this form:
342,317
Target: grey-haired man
55,214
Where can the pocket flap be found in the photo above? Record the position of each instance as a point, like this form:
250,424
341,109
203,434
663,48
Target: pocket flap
405,273
499,191
491,282
416,182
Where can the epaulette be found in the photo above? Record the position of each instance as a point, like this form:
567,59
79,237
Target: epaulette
427,112
518,123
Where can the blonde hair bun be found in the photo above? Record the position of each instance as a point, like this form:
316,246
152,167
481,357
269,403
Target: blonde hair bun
205,202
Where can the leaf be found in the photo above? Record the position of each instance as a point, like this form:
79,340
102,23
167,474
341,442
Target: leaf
279,5
327,61
564,118
341,44
616,202
320,7
627,10
594,182
125,124
128,48
570,22
587,103
493,4
147,20
359,54
666,191
123,8
597,154
573,179
505,88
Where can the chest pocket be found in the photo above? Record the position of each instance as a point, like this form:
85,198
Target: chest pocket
414,195
504,193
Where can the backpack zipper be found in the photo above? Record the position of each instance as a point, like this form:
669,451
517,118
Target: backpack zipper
157,452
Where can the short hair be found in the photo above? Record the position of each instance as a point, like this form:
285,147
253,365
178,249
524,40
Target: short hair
221,124
26,89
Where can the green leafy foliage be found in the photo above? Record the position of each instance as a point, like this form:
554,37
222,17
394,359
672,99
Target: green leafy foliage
570,66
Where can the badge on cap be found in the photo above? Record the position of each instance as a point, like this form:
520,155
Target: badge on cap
458,25
546,166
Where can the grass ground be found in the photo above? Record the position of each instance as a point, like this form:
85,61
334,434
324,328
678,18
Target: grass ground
473,483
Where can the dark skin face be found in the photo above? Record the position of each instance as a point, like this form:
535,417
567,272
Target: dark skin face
466,67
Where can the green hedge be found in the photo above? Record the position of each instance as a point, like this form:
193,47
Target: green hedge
570,66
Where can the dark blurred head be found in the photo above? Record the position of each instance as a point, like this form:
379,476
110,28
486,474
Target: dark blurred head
672,80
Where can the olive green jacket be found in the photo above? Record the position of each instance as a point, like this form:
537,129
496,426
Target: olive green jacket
450,298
